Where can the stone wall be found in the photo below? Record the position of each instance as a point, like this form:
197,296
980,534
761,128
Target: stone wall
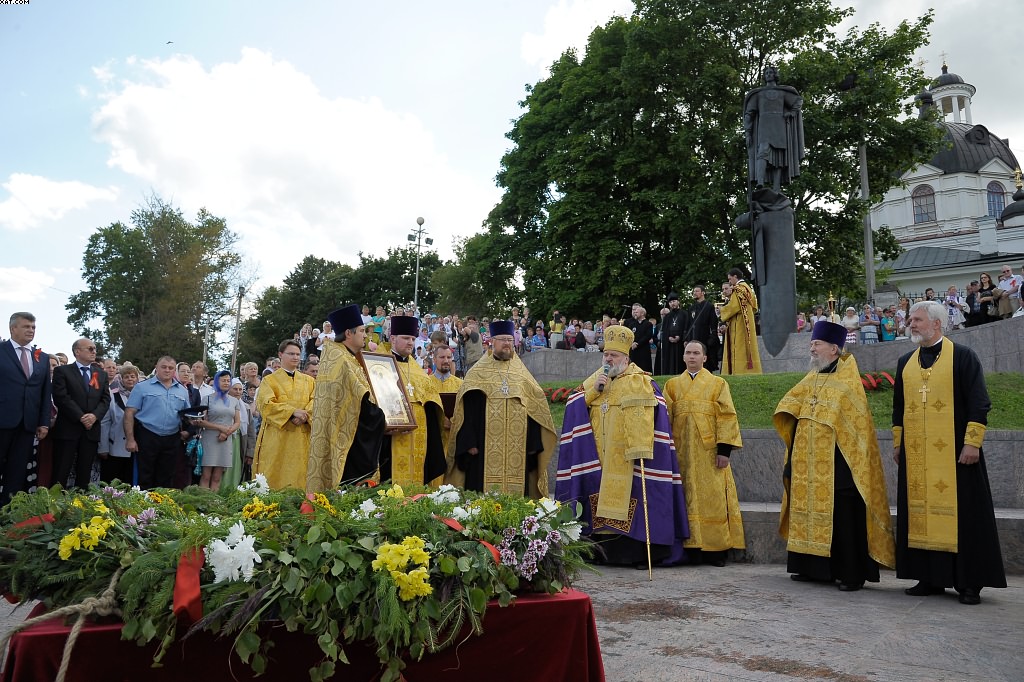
999,345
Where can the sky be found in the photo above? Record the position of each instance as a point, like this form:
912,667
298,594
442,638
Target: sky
321,127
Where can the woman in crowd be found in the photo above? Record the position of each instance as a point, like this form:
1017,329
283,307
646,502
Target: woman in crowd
232,476
539,340
955,306
852,324
305,334
378,325
115,460
986,294
222,420
902,311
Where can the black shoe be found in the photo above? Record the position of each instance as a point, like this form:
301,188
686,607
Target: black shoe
970,596
923,589
850,587
718,563
801,578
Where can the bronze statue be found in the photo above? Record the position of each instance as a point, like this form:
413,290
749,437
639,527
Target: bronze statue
773,121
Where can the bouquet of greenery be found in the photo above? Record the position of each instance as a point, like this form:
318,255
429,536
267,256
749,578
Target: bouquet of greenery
405,571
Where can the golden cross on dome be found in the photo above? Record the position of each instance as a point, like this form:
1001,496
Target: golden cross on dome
1017,177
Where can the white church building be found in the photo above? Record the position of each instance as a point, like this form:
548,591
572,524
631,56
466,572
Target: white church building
949,215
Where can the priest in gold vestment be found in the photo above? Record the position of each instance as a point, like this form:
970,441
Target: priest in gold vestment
616,457
285,401
502,433
945,521
740,354
347,425
414,457
705,430
835,511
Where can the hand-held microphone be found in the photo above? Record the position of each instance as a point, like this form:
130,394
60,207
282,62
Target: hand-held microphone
606,369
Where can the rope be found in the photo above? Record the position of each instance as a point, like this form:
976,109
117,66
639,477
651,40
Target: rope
104,605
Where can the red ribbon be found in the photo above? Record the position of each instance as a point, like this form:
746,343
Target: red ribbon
306,507
94,380
457,527
28,524
186,585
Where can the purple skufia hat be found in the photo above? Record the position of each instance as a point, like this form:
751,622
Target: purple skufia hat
829,332
347,317
405,326
503,328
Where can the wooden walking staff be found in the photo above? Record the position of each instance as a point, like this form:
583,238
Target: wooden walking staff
647,522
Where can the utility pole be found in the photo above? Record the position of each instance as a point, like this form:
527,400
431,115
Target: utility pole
238,323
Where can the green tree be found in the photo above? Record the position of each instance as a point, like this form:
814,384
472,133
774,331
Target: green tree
629,165
389,281
470,285
155,287
315,287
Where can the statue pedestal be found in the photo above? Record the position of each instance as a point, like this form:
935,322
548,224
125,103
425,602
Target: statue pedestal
775,260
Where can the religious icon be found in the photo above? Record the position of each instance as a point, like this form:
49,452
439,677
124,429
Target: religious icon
388,391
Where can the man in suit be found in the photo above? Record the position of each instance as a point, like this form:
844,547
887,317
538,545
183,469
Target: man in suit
82,396
24,402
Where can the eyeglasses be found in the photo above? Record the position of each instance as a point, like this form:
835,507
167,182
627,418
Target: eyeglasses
89,348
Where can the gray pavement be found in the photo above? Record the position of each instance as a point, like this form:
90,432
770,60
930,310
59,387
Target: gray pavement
751,622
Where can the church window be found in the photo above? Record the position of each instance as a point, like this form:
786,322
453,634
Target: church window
996,199
924,204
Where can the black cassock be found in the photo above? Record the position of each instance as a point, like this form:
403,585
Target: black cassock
979,562
643,331
704,328
473,435
670,355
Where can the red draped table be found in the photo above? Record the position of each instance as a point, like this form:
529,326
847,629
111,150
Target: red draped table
539,637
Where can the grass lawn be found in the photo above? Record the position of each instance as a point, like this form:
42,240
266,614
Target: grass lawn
755,398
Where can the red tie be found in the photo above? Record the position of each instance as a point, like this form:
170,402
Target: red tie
24,362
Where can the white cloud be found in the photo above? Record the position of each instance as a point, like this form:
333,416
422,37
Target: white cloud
292,171
34,199
21,285
569,24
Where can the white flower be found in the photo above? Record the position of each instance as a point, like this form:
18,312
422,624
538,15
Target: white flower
547,506
235,557
460,514
446,494
571,530
236,533
365,510
257,486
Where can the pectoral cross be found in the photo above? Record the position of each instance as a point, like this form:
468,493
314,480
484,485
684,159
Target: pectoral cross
924,393
409,388
504,386
813,403
604,408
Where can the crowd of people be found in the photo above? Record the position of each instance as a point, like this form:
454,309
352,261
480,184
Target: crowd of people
982,301
651,466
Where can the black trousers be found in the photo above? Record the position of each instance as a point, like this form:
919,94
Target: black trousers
157,457
120,468
76,454
15,450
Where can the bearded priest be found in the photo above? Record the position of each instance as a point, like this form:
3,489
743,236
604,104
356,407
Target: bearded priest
502,434
945,522
835,511
616,436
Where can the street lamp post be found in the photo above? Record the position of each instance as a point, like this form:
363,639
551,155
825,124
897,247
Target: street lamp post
417,237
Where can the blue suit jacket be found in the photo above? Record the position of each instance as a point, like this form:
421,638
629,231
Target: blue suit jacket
24,402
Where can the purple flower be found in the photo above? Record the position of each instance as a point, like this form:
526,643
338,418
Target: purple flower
508,534
530,526
554,537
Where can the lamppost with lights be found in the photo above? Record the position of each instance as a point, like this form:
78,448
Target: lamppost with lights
417,237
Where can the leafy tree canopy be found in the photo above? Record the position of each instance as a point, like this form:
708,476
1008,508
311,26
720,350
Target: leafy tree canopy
629,165
156,286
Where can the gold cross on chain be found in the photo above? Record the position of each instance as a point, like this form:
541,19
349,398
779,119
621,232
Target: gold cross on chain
924,390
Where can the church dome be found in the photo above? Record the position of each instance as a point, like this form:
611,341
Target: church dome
1016,208
948,78
969,147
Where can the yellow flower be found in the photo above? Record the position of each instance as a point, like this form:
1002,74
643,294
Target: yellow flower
320,500
157,498
393,491
77,502
257,509
84,536
413,584
68,544
497,507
